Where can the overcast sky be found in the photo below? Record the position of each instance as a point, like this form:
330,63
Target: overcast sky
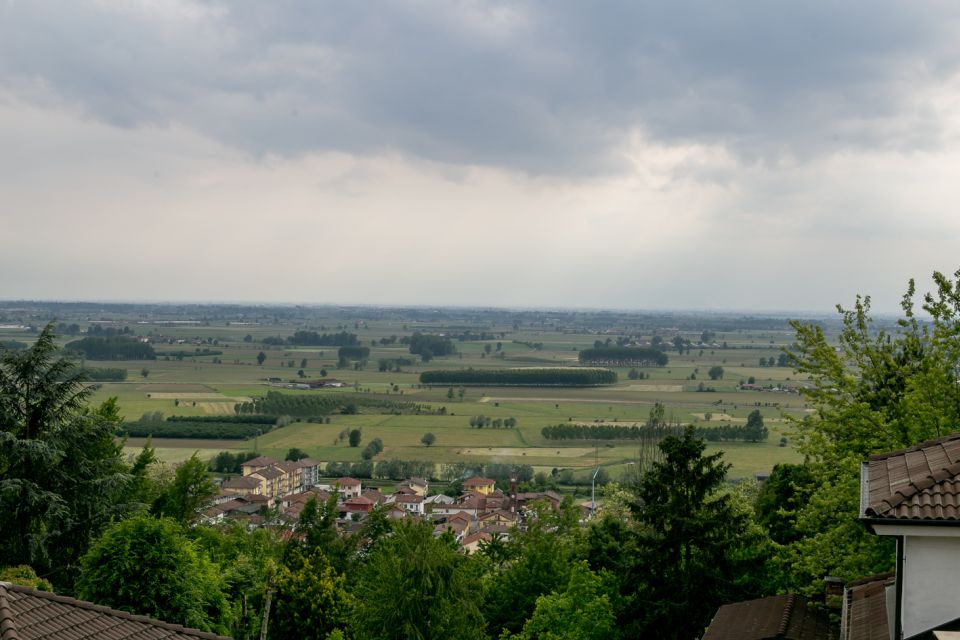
693,155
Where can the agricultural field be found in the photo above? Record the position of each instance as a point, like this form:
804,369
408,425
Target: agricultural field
214,383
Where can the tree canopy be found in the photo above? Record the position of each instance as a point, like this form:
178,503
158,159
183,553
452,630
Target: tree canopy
62,475
147,566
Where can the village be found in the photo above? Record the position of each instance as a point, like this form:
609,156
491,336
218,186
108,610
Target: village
272,493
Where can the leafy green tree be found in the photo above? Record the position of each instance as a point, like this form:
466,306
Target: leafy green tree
62,474
875,390
715,372
783,493
541,564
430,587
144,373
147,566
261,357
191,490
296,453
582,611
428,439
317,530
354,437
755,430
248,561
311,599
692,540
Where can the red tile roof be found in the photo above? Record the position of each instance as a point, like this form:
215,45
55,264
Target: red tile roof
348,482
474,537
241,482
788,616
478,482
268,473
27,614
919,483
262,461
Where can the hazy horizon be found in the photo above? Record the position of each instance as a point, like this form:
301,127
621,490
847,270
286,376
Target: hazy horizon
688,156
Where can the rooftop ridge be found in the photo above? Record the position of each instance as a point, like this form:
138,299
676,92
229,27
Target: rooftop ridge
917,447
914,488
787,614
123,615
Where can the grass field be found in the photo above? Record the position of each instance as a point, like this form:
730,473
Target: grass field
213,385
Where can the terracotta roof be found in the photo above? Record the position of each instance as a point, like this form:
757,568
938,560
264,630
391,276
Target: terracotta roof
865,608
478,482
348,482
241,482
268,473
407,499
461,515
27,614
919,483
359,500
374,495
475,537
789,617
262,461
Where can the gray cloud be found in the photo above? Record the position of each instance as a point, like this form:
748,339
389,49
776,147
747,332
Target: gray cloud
541,87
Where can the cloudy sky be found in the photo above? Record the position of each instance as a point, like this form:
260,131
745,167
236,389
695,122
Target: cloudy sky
694,155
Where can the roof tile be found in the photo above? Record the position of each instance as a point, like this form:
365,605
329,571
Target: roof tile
919,483
27,614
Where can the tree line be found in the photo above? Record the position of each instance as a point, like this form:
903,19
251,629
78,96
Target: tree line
276,403
623,356
753,431
306,338
527,377
112,348
429,346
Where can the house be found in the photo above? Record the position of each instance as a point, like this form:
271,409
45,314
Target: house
356,504
374,495
28,614
784,617
309,473
349,487
913,495
417,485
243,485
471,544
410,503
480,485
497,517
272,479
260,462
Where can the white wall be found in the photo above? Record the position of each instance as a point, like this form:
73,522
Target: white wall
931,582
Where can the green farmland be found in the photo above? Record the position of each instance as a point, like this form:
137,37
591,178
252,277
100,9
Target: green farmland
213,385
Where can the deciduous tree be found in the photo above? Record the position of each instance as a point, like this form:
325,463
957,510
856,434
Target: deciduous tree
147,566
